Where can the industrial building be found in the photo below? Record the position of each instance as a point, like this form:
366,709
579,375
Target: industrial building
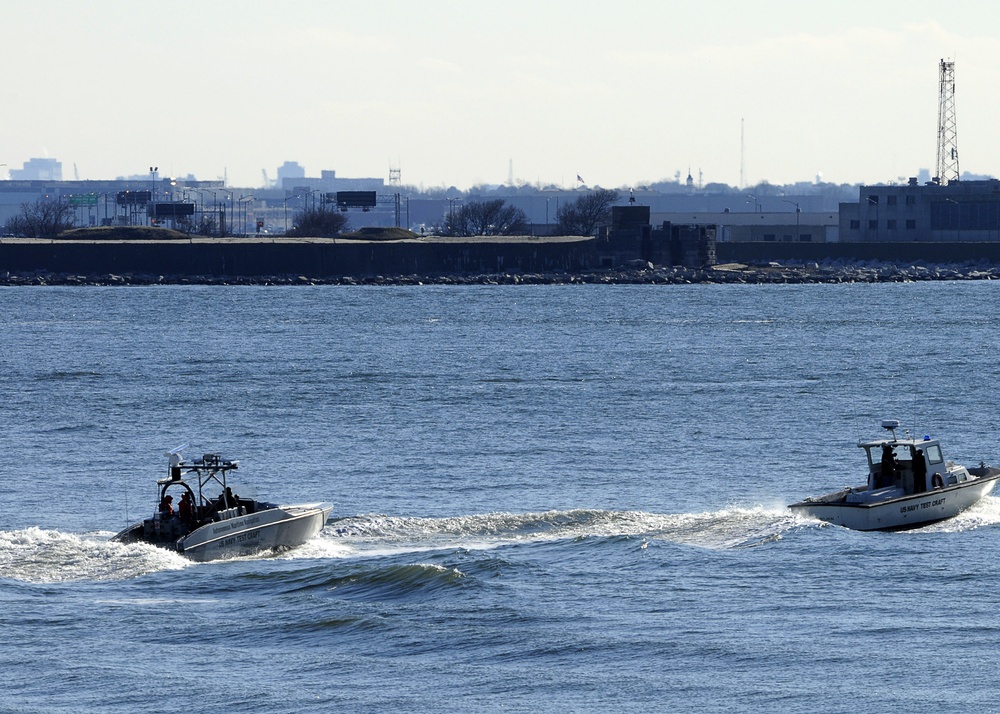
956,211
776,227
631,236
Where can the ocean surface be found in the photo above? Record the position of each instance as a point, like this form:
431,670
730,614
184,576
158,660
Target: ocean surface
547,498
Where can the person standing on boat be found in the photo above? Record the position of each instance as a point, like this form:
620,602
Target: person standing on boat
166,507
228,499
888,476
919,470
184,509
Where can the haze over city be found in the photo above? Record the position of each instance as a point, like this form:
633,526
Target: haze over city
458,94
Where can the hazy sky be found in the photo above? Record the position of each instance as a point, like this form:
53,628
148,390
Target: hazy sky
453,93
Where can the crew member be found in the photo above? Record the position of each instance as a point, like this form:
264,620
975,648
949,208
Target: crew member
919,470
167,507
184,509
888,467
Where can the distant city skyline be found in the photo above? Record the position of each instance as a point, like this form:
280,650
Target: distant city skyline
461,94
290,174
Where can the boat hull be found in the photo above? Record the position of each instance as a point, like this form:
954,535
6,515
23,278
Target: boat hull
901,513
267,529
271,529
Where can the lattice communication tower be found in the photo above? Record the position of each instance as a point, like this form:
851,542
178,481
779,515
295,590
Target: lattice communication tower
947,148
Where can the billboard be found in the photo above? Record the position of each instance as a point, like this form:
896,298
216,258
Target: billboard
172,209
356,199
133,198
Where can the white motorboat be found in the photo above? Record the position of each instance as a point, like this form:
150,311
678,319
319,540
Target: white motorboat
212,522
910,484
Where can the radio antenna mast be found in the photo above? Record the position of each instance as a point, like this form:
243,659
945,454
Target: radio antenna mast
947,148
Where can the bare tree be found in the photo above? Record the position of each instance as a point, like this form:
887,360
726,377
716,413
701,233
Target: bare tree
587,213
319,222
45,218
487,218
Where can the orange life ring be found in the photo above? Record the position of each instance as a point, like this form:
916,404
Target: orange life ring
937,481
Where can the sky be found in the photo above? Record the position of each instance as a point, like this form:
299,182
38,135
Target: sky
461,93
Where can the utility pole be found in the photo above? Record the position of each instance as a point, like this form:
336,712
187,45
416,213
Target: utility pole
947,147
742,154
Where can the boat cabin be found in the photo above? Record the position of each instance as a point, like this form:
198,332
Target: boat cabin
198,479
910,465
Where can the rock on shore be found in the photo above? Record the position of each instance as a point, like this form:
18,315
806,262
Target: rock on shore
635,273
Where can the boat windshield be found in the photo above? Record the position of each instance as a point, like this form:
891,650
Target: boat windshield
933,452
900,452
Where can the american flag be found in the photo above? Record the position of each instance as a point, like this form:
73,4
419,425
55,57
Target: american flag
578,178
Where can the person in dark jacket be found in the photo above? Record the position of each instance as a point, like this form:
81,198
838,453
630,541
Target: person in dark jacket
185,509
167,507
888,476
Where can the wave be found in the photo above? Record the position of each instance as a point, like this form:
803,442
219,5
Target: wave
728,528
35,555
45,556
396,581
67,375
984,513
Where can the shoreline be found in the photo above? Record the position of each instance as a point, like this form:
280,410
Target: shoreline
772,274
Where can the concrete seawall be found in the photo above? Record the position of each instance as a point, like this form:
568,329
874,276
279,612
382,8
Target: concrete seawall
310,257
328,258
936,253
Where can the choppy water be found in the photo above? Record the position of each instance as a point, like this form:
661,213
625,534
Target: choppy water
552,497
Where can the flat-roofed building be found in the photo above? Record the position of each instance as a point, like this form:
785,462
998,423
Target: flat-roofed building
963,211
776,226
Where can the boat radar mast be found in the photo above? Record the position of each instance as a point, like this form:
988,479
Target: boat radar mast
891,425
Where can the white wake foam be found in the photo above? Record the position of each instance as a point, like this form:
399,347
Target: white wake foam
35,555
984,513
44,556
728,528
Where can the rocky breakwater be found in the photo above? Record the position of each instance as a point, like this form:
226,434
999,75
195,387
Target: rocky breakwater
635,273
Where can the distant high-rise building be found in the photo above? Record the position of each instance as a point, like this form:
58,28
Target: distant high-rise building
290,170
38,170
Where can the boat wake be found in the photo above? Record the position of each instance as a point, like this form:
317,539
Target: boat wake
35,555
985,513
386,535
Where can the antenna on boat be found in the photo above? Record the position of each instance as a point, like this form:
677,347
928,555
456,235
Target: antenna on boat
177,451
125,489
176,460
891,425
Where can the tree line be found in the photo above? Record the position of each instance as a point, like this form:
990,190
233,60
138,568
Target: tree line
496,218
46,218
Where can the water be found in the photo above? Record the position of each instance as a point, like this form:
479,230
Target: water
551,497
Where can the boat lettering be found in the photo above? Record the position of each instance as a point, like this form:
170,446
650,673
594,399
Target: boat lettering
241,523
925,504
240,538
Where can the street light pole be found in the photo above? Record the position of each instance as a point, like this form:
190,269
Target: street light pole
451,214
797,212
242,199
294,195
958,222
152,188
